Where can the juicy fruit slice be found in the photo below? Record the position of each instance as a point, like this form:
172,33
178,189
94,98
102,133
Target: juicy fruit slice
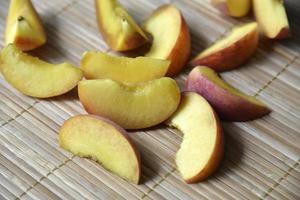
23,26
171,37
202,147
271,17
34,77
103,141
229,103
233,8
117,27
133,106
231,51
98,65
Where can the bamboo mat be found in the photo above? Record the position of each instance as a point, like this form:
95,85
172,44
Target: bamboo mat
261,159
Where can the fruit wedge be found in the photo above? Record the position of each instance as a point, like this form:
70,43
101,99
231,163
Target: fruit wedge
202,147
229,103
98,65
233,8
171,37
272,18
34,77
103,141
23,26
231,51
133,106
118,28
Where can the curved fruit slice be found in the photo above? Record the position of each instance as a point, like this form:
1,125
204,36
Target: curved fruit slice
271,17
117,27
133,106
230,104
171,37
202,147
24,27
98,65
103,141
233,8
34,77
231,51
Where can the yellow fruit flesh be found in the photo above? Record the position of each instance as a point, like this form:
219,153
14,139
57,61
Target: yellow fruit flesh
213,76
133,106
238,8
87,136
164,26
271,16
196,120
35,77
235,35
97,65
117,25
23,24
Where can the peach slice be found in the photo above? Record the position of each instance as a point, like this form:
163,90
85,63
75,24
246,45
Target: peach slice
271,17
118,28
34,77
230,104
233,8
23,26
171,37
133,106
231,51
103,141
202,147
98,65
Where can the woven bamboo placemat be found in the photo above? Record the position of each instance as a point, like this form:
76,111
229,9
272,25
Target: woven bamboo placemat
261,159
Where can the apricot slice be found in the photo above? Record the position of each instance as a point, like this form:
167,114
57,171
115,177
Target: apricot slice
229,103
118,28
23,26
133,106
34,77
103,141
232,50
98,65
202,147
171,37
